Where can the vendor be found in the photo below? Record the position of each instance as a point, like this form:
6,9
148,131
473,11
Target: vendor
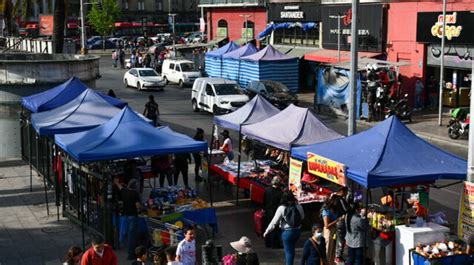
390,200
470,246
227,145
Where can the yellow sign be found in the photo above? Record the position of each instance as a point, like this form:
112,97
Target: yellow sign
451,30
294,182
327,169
466,211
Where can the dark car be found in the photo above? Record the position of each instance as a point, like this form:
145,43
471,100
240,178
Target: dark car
99,45
275,92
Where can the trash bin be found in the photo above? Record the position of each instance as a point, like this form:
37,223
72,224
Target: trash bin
382,251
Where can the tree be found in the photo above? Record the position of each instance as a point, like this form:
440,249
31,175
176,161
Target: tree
103,19
58,27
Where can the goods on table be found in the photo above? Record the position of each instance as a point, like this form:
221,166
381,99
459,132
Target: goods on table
439,250
384,222
173,199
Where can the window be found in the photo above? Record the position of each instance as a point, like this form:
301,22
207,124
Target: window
222,28
141,5
159,5
171,66
296,36
209,90
248,29
125,4
178,68
222,23
133,72
250,24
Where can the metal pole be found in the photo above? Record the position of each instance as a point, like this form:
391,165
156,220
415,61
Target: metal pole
44,175
31,154
352,126
81,208
246,37
209,165
238,166
338,37
441,71
202,17
470,155
83,29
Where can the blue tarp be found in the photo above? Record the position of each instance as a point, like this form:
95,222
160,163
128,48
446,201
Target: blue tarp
274,26
388,154
270,64
126,135
86,111
293,126
213,59
60,95
256,110
231,61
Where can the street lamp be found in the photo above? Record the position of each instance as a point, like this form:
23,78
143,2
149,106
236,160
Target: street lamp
338,17
246,17
83,31
171,16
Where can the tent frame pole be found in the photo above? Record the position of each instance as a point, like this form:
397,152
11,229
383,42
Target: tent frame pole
30,154
81,213
56,178
209,155
44,175
238,167
367,192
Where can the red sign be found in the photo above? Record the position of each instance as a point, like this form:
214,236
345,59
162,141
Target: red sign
46,25
347,17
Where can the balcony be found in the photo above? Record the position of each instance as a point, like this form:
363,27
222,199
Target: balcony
231,3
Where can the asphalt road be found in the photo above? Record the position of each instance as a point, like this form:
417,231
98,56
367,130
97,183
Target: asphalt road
176,112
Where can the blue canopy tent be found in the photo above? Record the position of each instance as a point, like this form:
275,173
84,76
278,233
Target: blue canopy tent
86,111
106,142
213,59
293,126
231,61
256,110
60,95
388,154
270,64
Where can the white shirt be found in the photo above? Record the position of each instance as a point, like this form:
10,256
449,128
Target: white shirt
228,142
187,252
278,218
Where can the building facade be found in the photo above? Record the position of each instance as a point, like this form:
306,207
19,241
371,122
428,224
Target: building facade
157,10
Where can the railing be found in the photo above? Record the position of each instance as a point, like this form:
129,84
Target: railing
29,45
232,2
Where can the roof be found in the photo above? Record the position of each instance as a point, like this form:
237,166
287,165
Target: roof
331,56
84,112
256,110
388,154
213,80
268,54
295,126
223,50
246,50
179,61
106,142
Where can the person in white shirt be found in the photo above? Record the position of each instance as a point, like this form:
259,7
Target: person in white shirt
186,251
227,145
171,256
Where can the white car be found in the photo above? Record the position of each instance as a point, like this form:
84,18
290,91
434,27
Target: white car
143,78
217,95
182,72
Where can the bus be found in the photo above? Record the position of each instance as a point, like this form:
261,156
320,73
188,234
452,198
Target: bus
137,29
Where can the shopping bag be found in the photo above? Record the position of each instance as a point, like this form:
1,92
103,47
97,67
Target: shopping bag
258,219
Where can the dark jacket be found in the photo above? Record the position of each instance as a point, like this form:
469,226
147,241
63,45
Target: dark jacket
247,259
271,201
310,255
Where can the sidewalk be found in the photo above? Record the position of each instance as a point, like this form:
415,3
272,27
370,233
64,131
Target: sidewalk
424,124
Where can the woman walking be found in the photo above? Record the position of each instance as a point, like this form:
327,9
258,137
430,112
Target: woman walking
356,237
330,219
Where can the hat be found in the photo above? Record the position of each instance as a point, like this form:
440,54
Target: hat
275,181
244,245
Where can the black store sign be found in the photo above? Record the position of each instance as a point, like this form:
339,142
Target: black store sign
371,27
294,12
459,27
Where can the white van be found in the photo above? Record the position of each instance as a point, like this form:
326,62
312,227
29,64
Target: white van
182,72
217,95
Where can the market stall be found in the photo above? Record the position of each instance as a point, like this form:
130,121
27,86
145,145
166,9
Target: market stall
231,61
270,64
93,157
213,59
255,110
387,155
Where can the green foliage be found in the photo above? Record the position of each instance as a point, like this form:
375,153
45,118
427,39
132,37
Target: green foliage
103,20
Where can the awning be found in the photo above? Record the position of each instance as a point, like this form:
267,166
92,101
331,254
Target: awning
215,41
331,56
282,48
299,51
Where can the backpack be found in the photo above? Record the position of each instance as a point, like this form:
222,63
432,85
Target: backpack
292,216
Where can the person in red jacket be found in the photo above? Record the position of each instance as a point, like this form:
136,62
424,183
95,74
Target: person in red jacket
99,254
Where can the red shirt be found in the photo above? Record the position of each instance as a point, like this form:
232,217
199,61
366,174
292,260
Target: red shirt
91,258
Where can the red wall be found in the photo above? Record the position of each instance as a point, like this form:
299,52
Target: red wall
401,36
235,23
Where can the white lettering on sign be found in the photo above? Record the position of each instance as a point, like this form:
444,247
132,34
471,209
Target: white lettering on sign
291,8
362,32
294,14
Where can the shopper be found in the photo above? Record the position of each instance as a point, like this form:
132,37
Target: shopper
121,55
330,218
147,61
186,251
227,145
271,201
418,93
111,93
141,254
152,110
288,217
356,237
181,165
171,256
314,250
341,208
73,256
114,58
199,136
99,253
433,88
245,253
162,167
160,258
131,206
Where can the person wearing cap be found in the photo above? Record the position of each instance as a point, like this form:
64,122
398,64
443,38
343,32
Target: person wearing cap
227,145
131,206
245,254
199,136
271,201
314,250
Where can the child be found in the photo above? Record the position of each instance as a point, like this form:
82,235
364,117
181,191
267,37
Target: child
171,256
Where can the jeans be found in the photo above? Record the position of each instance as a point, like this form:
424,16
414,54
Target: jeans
230,156
289,238
418,104
168,177
197,165
355,256
131,235
340,238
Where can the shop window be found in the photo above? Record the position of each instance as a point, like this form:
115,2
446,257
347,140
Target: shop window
222,28
296,36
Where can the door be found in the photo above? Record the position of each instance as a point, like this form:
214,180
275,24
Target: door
178,73
133,77
171,73
206,97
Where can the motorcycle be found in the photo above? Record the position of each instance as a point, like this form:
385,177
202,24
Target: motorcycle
459,123
399,108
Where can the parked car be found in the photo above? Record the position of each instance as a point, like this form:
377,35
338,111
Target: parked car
194,37
93,39
143,78
217,95
275,92
182,72
99,45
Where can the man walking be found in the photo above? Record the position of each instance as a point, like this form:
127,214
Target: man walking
99,253
152,110
199,136
186,251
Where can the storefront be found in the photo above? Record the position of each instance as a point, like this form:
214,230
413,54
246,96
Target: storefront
458,52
